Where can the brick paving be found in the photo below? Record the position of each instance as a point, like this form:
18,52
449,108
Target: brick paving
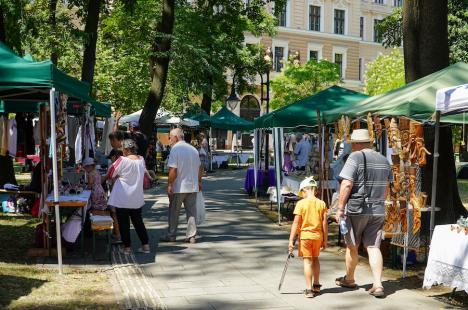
237,262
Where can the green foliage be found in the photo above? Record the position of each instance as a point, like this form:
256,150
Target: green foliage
385,73
122,74
298,81
391,29
458,30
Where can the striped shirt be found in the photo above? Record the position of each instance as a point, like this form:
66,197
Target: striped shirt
379,174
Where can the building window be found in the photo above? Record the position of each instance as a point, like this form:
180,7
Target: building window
278,58
361,27
360,69
397,3
379,1
339,62
377,35
282,17
313,55
339,21
314,18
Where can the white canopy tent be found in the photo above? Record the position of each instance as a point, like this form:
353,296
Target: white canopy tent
450,100
163,117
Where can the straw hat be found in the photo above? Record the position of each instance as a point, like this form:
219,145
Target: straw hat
307,182
360,136
88,162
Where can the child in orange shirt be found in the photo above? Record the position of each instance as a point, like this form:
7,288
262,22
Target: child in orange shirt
310,223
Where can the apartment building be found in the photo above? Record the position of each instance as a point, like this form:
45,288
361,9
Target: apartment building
342,31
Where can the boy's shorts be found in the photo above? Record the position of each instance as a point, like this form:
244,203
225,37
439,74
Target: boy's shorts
309,248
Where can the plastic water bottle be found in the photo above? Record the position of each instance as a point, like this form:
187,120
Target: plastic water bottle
343,228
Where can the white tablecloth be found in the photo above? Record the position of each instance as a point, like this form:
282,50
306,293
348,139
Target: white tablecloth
83,197
219,159
292,183
448,259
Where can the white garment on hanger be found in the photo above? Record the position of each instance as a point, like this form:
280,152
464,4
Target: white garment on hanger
78,149
12,137
106,146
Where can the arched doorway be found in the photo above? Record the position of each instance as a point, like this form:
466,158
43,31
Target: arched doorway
249,110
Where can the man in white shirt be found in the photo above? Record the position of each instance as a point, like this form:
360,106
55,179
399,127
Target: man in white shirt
184,182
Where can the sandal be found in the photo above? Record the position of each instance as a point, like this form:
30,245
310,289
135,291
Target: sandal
341,281
377,292
309,293
143,251
316,289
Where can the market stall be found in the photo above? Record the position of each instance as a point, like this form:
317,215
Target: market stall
305,116
23,80
448,260
395,121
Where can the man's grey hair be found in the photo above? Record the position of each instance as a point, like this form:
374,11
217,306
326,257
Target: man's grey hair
178,132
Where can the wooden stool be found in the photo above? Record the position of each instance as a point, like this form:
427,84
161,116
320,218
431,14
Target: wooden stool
97,227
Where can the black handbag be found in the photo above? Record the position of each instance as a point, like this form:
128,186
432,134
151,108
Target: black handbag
358,201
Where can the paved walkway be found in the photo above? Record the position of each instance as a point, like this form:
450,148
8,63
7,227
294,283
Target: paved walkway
239,258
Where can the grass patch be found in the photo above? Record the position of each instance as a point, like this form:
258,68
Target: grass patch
27,286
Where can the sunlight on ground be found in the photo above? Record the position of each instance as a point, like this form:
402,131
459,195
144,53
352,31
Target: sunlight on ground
24,285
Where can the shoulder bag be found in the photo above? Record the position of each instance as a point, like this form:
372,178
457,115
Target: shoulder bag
358,201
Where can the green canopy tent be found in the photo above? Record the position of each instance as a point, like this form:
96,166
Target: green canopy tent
225,119
202,117
414,100
98,108
26,80
23,80
304,112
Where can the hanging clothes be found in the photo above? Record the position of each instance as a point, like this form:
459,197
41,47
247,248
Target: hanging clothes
106,146
12,137
37,131
4,136
90,138
30,145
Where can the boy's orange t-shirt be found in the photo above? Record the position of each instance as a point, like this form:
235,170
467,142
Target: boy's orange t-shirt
312,212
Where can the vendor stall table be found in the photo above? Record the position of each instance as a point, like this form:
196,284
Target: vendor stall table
448,258
292,183
71,201
250,182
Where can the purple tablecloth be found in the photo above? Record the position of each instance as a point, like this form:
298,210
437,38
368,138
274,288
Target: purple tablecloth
249,179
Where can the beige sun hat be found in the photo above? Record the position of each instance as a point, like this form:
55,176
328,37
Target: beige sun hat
360,136
307,182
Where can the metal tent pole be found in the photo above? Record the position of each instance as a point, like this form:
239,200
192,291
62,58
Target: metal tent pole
277,154
255,149
53,141
434,172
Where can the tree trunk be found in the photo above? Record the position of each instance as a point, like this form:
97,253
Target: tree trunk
53,24
91,30
425,37
425,43
159,65
2,26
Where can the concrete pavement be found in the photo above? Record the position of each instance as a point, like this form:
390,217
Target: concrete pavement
238,260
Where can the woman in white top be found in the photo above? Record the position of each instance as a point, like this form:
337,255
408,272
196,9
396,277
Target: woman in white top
127,195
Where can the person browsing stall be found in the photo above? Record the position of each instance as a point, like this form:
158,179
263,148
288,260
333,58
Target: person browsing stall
127,195
365,176
310,224
301,152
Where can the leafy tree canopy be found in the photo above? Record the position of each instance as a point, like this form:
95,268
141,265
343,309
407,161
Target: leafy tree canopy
391,29
385,73
297,81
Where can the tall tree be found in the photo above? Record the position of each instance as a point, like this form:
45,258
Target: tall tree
91,32
2,25
53,27
385,73
426,50
159,62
